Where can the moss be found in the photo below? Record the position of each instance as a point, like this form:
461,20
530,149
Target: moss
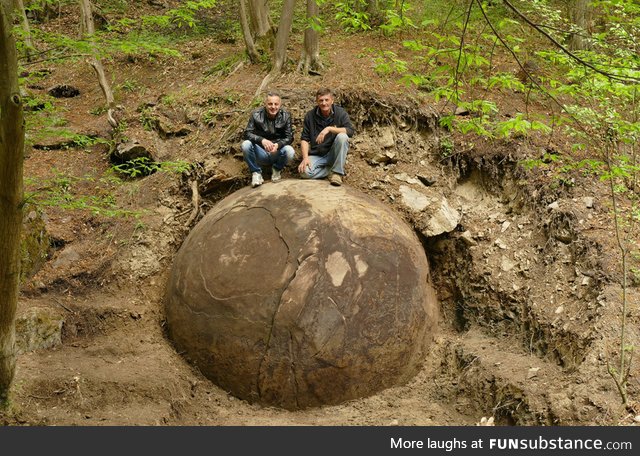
34,245
38,328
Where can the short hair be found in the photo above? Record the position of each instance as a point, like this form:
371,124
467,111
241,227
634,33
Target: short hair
273,94
325,91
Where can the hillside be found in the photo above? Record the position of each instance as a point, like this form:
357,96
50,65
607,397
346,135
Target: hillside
525,272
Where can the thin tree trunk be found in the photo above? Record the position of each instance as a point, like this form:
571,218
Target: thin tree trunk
621,376
282,38
579,12
11,197
310,60
88,28
262,29
27,30
252,51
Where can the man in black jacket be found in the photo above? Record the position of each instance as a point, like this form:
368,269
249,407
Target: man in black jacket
268,139
325,139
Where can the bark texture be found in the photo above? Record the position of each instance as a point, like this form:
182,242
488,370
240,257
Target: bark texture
580,17
310,60
11,197
259,16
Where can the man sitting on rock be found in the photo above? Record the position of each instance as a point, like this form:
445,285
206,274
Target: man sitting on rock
325,139
268,139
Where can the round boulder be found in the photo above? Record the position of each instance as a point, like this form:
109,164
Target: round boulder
300,294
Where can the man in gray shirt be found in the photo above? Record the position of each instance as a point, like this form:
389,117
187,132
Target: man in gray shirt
325,139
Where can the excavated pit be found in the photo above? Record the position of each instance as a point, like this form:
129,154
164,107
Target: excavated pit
516,279
519,296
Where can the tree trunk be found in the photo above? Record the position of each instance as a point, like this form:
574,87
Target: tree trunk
27,30
88,28
259,18
282,38
252,51
11,197
260,24
579,13
310,60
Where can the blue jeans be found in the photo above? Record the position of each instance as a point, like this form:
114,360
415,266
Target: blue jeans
333,162
255,157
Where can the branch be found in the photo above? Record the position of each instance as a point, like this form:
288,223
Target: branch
565,50
89,29
48,59
533,80
195,199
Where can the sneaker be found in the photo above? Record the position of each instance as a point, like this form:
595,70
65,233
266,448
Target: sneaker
256,179
335,179
276,174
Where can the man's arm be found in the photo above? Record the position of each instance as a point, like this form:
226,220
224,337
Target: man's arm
305,163
345,122
250,131
325,131
306,128
342,125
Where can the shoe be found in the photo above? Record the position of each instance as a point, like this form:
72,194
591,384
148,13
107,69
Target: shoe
256,179
276,175
335,179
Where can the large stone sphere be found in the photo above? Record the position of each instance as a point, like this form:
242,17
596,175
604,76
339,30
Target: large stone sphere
300,294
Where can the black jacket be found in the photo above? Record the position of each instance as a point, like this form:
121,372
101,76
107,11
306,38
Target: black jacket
314,123
277,130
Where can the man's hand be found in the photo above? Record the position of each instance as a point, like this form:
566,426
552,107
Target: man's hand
304,164
325,131
269,146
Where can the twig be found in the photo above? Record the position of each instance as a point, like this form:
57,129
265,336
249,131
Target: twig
460,51
237,67
63,306
44,397
71,56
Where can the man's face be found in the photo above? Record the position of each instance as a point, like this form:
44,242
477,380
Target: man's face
273,106
325,102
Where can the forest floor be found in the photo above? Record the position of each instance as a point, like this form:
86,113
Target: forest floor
526,278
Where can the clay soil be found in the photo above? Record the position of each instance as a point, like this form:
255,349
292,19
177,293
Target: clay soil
528,278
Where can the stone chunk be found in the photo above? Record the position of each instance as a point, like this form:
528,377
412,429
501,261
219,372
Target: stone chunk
440,218
413,199
387,140
379,157
131,150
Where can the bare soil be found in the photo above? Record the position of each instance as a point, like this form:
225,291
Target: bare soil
529,293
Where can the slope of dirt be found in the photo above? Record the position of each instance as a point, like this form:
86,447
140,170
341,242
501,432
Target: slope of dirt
526,271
